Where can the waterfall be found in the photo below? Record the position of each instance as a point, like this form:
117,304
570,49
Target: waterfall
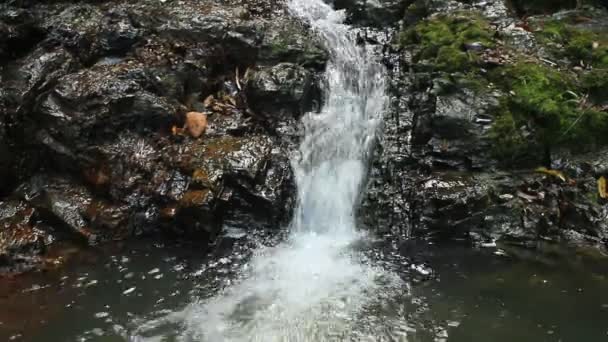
314,286
337,140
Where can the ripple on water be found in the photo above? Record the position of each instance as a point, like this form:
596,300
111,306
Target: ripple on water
310,288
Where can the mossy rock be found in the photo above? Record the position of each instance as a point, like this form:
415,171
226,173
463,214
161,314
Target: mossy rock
292,43
443,40
528,7
595,83
575,43
550,105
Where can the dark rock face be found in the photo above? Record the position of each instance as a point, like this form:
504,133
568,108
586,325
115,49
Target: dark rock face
280,93
373,13
434,175
93,101
21,242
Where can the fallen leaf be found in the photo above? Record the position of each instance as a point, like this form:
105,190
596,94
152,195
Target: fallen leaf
196,123
602,188
208,101
529,197
177,131
230,100
554,173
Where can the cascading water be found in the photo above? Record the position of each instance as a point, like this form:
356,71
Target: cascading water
337,140
313,287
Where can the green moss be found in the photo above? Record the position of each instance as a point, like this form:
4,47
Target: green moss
509,142
288,43
548,103
543,108
595,83
442,39
575,43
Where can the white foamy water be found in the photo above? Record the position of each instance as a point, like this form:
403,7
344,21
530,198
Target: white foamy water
314,286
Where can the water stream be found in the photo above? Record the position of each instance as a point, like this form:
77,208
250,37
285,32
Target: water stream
312,286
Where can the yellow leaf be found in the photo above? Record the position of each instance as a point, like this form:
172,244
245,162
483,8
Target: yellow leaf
601,187
554,173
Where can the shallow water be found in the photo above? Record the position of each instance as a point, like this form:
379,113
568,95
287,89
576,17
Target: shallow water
148,292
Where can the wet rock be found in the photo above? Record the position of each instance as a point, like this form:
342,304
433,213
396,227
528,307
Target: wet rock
72,211
19,31
373,13
32,75
21,241
478,207
23,81
435,174
291,42
457,132
90,33
91,111
6,161
95,105
280,93
249,180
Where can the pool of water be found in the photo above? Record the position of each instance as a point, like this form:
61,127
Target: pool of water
147,291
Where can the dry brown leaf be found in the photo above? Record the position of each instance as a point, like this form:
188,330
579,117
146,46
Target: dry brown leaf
208,101
176,130
196,123
602,188
230,100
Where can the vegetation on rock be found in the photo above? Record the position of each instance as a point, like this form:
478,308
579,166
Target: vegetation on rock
449,41
576,44
550,104
542,106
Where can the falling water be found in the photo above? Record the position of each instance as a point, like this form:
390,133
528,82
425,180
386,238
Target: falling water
314,286
338,139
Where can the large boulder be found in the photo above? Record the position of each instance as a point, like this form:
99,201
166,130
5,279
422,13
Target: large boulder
94,135
286,41
437,170
283,90
280,94
378,13
95,105
74,211
455,135
90,32
22,239
19,31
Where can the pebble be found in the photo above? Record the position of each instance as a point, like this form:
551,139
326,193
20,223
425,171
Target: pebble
129,290
102,314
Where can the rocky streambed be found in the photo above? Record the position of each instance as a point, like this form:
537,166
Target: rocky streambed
94,101
179,121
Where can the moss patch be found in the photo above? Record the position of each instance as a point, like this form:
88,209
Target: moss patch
289,43
543,107
551,105
576,44
443,40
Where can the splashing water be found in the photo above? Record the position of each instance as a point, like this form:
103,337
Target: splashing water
313,287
